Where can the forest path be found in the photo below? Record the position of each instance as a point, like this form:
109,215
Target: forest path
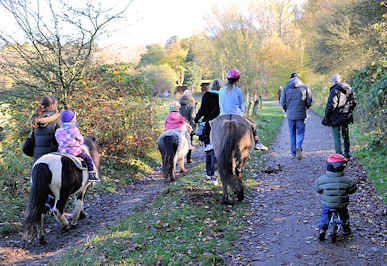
285,210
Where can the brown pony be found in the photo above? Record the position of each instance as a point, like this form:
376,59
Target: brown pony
232,138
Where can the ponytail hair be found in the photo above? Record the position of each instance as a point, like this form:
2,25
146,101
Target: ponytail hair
44,105
231,82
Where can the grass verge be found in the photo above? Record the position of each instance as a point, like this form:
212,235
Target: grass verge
185,223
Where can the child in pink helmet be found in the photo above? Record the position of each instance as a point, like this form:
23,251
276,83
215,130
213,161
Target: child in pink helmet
70,141
176,120
231,102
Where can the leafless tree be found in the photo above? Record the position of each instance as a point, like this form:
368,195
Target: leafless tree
56,43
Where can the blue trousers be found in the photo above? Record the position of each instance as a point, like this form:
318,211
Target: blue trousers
297,132
326,216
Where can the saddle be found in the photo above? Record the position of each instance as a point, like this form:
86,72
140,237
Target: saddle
79,162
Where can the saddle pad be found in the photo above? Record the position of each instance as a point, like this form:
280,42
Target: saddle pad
76,160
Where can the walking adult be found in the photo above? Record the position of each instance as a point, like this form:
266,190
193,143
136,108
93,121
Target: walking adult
209,109
296,98
44,122
339,113
279,94
187,110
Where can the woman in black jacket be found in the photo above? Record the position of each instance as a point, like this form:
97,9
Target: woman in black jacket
209,109
45,121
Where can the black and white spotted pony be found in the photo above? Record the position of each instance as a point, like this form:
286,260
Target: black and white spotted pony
57,177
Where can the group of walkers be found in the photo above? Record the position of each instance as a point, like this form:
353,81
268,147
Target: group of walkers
295,99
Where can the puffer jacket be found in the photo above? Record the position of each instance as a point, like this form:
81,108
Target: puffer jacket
187,108
335,189
44,134
295,99
174,120
209,109
340,106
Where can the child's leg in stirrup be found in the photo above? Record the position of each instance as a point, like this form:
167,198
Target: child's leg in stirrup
90,165
258,144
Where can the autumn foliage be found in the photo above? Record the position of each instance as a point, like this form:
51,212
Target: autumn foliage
114,107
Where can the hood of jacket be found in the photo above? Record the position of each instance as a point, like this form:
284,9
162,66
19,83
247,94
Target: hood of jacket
48,117
186,100
343,88
295,83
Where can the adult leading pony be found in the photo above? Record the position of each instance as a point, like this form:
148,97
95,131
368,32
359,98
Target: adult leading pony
232,138
57,177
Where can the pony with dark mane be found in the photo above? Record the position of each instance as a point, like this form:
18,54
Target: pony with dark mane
55,178
232,138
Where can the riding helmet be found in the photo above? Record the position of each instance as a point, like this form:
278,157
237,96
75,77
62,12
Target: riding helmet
174,106
336,162
233,73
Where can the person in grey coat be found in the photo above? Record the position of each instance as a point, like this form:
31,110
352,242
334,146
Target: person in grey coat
335,189
187,110
296,98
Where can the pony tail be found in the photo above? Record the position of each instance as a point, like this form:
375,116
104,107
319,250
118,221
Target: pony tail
38,114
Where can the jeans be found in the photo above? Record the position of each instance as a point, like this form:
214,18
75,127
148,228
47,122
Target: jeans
88,160
343,129
297,132
326,215
210,163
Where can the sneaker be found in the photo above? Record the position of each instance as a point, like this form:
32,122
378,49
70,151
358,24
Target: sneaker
346,229
321,234
261,147
214,181
209,147
93,176
298,153
208,177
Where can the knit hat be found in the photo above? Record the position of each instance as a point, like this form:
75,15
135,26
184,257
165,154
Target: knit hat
174,106
67,116
187,93
233,73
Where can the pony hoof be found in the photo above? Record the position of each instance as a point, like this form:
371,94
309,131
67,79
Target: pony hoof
42,241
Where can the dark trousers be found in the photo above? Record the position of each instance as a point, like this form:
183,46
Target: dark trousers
326,216
337,132
190,151
210,163
88,160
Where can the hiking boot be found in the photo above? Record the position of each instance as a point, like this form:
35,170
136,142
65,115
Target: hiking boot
321,234
298,153
93,176
209,147
260,146
346,229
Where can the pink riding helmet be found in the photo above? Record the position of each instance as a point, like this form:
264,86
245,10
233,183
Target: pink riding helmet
233,73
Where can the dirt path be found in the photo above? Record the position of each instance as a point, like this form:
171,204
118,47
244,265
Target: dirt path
282,225
102,211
